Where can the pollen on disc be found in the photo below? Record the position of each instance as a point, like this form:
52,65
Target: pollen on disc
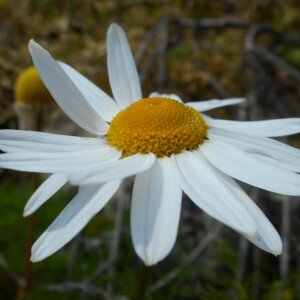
157,125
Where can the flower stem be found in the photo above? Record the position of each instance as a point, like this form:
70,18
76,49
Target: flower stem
23,287
142,282
30,118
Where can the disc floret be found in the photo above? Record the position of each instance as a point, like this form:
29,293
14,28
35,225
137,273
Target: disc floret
157,125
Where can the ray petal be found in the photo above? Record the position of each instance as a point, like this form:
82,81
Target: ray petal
25,140
116,169
266,238
155,212
123,76
87,203
45,191
275,152
252,170
266,128
214,103
207,190
65,92
105,106
66,162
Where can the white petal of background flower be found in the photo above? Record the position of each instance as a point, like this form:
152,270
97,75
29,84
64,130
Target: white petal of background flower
24,141
58,162
214,103
116,169
283,155
267,238
45,191
155,212
252,170
65,92
208,191
105,106
87,203
267,128
123,76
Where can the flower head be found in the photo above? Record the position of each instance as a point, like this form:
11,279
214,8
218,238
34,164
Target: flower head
30,89
170,146
160,126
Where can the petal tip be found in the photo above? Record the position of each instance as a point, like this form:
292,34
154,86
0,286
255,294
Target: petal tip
277,250
149,263
31,42
34,258
33,45
114,26
148,260
115,30
240,100
37,254
29,208
26,212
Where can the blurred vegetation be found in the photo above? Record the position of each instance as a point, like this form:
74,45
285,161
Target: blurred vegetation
199,64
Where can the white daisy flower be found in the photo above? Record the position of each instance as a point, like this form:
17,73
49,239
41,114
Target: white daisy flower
171,147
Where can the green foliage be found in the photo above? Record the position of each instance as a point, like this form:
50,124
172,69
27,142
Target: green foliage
12,242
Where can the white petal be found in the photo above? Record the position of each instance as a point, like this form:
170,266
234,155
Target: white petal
155,212
105,106
58,162
45,191
87,203
267,238
65,92
275,152
214,103
117,169
207,190
24,140
267,128
282,165
252,170
169,96
123,76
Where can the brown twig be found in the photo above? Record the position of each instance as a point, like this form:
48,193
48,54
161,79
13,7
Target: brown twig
162,45
115,243
190,258
285,233
70,286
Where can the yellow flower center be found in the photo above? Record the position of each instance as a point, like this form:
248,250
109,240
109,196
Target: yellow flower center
157,125
30,90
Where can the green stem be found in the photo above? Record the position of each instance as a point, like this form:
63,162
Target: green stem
142,282
23,287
